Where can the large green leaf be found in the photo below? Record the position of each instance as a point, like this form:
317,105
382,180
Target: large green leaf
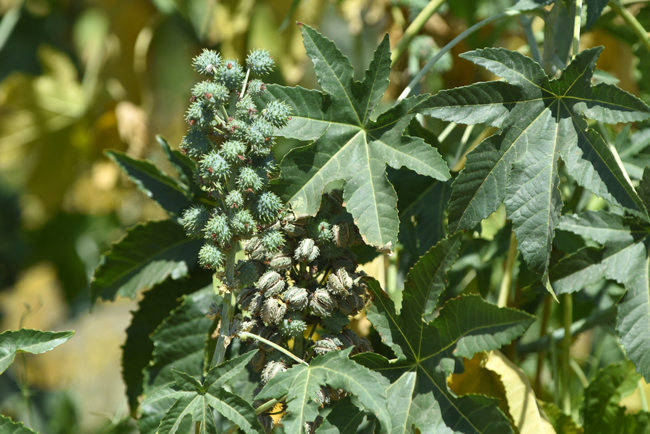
196,399
601,412
542,119
28,341
429,352
170,194
347,144
344,418
178,343
145,256
301,383
154,307
8,426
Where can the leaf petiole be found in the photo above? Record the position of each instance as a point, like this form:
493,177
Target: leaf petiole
245,335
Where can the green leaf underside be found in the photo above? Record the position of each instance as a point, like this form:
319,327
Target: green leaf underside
601,411
195,399
144,257
344,418
28,341
301,383
541,119
169,193
428,352
154,307
8,426
178,343
347,145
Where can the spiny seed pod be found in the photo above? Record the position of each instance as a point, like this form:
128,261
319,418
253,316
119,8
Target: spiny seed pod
233,151
235,199
230,74
259,62
256,87
307,250
292,326
207,62
200,113
334,285
271,370
268,279
249,179
356,301
272,241
217,229
341,234
321,231
214,167
277,113
243,223
321,303
266,206
280,262
246,108
293,230
246,296
275,289
214,93
254,249
327,344
236,129
298,298
351,339
194,219
245,326
260,136
323,396
248,272
272,311
211,257
196,143
336,321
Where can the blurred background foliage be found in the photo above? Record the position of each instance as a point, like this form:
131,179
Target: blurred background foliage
81,76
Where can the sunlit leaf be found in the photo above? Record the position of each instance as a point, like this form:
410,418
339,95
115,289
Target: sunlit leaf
28,341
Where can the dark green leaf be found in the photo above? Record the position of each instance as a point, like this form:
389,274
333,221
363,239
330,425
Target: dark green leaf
594,9
301,383
644,188
170,194
184,166
430,351
562,423
601,412
344,418
28,341
144,257
154,307
347,144
529,5
541,119
8,426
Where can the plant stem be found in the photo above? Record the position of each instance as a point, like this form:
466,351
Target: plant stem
506,282
259,410
579,373
448,129
541,355
452,44
245,335
644,401
526,24
566,344
576,29
414,28
631,21
9,21
227,310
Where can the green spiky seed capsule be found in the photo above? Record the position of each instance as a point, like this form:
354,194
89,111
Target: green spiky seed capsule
194,219
217,229
214,93
211,257
200,114
266,206
243,223
256,87
321,303
260,62
298,298
247,272
249,179
235,199
272,241
233,151
236,129
307,250
321,231
272,311
230,74
246,108
214,167
277,113
292,326
196,143
271,369
207,62
260,136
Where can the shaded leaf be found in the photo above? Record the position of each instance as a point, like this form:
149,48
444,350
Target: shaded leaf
28,341
301,383
594,9
8,426
562,423
145,256
541,119
347,144
344,418
183,164
154,307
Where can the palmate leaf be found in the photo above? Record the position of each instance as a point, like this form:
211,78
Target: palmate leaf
541,119
145,256
196,400
601,412
154,307
301,383
28,341
428,352
346,144
8,426
178,343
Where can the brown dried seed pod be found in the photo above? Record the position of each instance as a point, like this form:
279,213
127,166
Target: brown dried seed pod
341,234
272,311
268,280
321,303
271,369
307,250
298,298
326,344
280,262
